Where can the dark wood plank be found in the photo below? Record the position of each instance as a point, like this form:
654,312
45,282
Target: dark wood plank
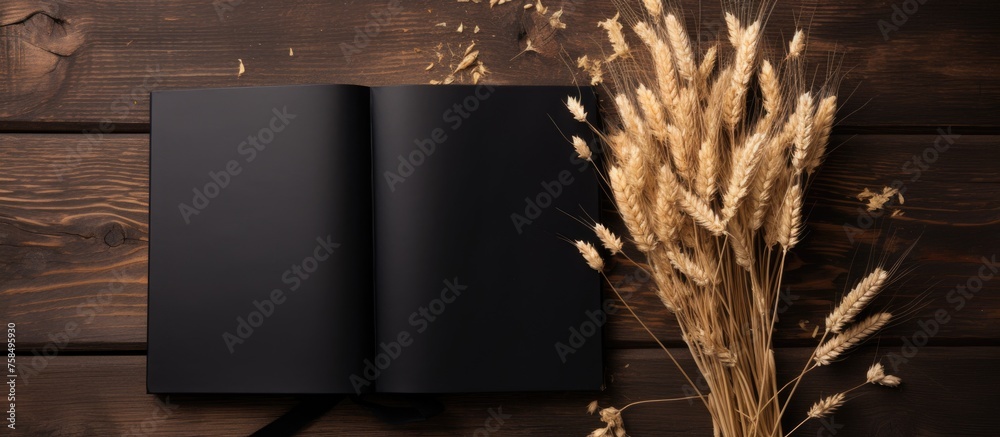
95,61
944,393
74,239
63,241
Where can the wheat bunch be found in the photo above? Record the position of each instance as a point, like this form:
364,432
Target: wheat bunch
710,154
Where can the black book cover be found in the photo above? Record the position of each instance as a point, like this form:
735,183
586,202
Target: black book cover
342,239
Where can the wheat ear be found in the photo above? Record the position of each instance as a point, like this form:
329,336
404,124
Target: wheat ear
590,254
803,119
616,37
826,406
772,163
663,65
629,200
876,375
653,112
576,108
827,352
856,300
681,46
654,7
684,264
666,217
608,239
822,126
743,66
743,169
790,220
797,45
581,147
701,212
770,89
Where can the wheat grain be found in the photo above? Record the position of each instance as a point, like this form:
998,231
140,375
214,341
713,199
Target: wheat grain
827,352
555,20
891,381
541,9
856,300
576,108
467,61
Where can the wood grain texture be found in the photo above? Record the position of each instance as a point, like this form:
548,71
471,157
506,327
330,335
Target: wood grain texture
110,53
105,395
74,239
75,77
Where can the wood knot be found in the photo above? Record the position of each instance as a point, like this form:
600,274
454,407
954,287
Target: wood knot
37,44
115,236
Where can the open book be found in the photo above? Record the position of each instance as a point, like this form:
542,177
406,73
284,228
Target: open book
346,239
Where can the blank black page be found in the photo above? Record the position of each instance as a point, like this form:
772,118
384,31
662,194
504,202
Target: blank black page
450,183
297,181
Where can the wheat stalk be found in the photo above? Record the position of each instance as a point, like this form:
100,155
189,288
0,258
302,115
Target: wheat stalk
711,150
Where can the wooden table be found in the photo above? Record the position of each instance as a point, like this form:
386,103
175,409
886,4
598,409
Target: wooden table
74,123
